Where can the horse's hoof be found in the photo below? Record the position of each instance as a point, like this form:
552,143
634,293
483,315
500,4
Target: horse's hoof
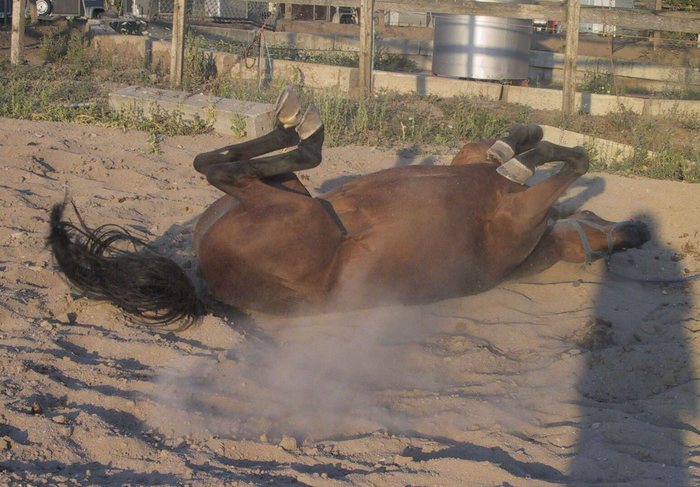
310,122
515,170
582,162
500,152
288,108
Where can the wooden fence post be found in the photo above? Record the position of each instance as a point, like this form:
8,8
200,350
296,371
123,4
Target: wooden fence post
657,34
177,48
366,46
573,20
17,41
33,13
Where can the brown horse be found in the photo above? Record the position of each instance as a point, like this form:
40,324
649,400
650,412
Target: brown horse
412,234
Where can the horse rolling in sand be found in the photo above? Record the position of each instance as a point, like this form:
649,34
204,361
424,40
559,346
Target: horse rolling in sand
413,234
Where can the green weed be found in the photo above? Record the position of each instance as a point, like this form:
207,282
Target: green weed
199,66
238,124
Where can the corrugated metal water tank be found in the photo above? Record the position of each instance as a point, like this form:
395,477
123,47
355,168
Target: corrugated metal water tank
480,47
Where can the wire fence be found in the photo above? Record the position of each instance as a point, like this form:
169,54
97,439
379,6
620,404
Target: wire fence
5,9
221,10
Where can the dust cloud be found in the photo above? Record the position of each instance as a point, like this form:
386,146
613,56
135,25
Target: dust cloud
333,375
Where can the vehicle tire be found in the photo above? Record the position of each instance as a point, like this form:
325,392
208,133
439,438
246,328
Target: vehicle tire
43,7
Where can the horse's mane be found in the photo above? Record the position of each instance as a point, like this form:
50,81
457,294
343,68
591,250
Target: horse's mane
152,288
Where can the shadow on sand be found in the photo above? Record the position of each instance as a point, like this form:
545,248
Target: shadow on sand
638,386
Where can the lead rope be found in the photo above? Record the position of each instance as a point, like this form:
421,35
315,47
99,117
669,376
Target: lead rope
589,252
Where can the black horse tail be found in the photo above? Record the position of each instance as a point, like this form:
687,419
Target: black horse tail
150,287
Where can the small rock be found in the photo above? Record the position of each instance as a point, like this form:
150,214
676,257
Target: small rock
401,460
595,426
288,443
263,438
5,443
37,409
60,419
46,325
668,378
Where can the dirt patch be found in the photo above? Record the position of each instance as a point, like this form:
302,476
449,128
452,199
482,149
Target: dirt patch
576,376
33,53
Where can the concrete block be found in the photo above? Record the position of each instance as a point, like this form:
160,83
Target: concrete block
540,98
315,75
661,107
120,45
146,99
227,64
224,112
425,84
259,117
606,150
596,104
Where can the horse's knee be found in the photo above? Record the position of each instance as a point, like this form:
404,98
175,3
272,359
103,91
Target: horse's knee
227,174
472,153
204,160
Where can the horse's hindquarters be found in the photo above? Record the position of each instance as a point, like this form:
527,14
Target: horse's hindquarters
276,252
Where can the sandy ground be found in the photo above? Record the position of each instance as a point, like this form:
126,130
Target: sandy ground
573,377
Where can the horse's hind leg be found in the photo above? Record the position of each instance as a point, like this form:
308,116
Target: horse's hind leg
523,214
535,202
288,260
306,155
288,115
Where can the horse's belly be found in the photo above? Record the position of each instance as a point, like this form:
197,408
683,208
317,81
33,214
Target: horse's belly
417,239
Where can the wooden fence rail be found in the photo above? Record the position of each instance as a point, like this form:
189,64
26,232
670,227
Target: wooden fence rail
640,19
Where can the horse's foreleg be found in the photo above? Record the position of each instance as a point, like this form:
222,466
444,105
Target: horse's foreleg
283,135
520,168
525,212
519,139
